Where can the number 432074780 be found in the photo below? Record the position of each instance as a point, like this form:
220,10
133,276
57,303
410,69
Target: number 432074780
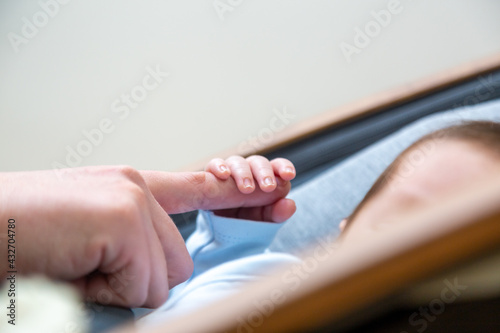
11,233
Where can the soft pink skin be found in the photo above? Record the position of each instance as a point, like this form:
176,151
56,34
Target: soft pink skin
450,165
107,228
258,169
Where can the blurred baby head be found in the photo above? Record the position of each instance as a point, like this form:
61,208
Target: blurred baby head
432,166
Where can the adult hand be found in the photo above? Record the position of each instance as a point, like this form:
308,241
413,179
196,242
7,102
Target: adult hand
107,229
99,227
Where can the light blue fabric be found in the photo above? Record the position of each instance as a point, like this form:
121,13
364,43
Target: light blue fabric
226,253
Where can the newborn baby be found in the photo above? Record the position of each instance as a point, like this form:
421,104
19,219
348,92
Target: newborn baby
230,247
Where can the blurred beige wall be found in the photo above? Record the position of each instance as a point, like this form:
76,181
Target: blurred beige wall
161,84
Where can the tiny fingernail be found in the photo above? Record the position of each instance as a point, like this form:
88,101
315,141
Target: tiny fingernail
268,181
247,183
289,170
223,168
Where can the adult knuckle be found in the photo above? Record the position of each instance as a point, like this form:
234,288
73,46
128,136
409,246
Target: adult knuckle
196,178
136,193
208,187
130,173
129,206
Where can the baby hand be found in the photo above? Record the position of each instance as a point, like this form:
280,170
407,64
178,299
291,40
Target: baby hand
271,178
253,169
